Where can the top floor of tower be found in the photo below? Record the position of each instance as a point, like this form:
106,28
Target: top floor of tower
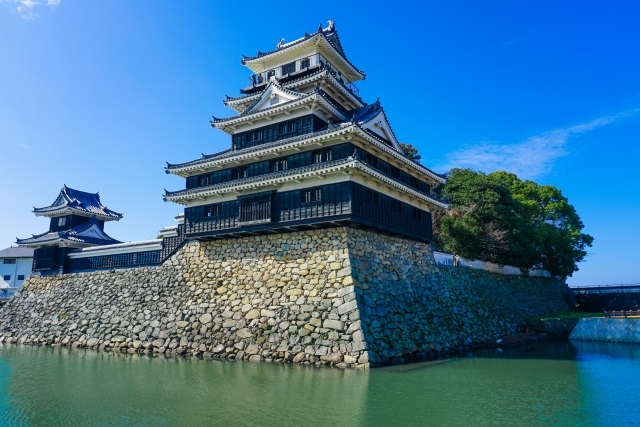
292,60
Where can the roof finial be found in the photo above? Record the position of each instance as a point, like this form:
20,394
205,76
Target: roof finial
280,43
331,24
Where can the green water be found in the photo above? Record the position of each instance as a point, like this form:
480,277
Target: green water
552,384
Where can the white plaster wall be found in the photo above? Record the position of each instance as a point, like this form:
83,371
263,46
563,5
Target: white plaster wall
21,267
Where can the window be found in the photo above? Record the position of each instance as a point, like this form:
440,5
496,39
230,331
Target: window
211,210
311,195
7,277
288,68
20,276
271,73
9,261
284,128
62,221
240,172
396,206
322,156
255,209
278,165
417,215
304,63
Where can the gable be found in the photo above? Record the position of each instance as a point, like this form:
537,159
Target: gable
272,95
380,126
93,232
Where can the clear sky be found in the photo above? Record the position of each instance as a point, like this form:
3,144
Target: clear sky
98,95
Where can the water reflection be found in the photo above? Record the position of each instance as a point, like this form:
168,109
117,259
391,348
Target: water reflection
44,386
609,378
554,384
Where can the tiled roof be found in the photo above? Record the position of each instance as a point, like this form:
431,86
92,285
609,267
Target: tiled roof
315,95
16,252
72,235
366,113
330,34
79,201
257,179
231,153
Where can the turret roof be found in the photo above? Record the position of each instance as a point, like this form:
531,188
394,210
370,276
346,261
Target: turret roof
80,202
329,34
86,234
320,72
300,98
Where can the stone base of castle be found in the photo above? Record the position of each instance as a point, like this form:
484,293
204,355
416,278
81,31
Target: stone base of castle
343,297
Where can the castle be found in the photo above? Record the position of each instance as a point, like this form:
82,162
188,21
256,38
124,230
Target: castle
307,241
306,153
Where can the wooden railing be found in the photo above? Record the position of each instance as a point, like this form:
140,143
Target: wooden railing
622,313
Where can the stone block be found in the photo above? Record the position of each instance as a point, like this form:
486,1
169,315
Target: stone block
252,314
333,324
347,307
244,333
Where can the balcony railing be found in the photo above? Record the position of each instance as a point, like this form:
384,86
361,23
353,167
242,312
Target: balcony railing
301,65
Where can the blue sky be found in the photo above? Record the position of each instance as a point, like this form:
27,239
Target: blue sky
99,95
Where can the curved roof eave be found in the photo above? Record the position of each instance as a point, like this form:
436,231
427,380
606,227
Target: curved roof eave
254,63
223,124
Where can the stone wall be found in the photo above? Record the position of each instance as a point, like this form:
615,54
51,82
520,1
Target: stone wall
341,296
607,329
412,309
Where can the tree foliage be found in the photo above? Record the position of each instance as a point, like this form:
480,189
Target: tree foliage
499,218
411,152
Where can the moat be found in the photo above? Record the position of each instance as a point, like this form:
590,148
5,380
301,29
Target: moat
557,383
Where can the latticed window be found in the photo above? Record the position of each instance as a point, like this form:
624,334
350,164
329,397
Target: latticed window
288,68
255,209
311,195
240,172
211,210
322,155
278,165
284,127
304,63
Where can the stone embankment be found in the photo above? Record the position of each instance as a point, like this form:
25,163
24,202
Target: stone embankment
340,297
607,329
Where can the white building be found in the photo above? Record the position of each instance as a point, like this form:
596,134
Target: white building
15,266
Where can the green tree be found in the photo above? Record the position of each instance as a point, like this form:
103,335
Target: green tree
556,228
499,218
411,152
482,222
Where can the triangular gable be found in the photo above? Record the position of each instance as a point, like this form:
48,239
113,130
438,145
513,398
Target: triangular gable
379,125
273,94
92,232
61,200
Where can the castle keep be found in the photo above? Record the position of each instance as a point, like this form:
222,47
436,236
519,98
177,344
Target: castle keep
306,152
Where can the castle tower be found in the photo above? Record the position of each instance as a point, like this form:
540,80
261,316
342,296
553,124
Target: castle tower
77,221
306,152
